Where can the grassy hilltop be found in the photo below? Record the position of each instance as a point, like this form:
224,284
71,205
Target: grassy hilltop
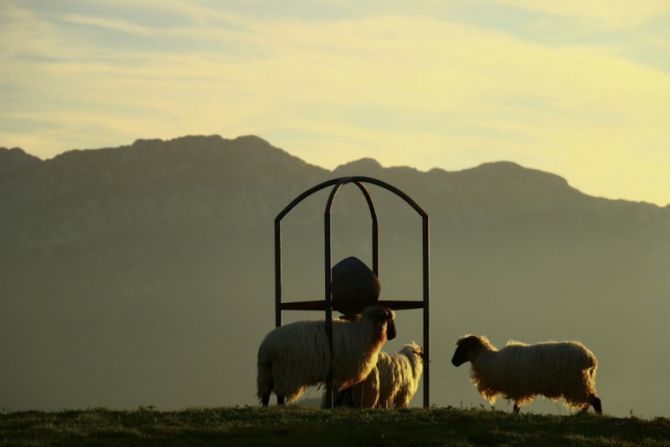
307,427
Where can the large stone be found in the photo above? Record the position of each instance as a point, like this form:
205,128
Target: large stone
355,286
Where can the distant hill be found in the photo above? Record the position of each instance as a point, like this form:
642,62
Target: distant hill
13,161
144,274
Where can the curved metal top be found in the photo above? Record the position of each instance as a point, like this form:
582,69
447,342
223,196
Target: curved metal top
345,180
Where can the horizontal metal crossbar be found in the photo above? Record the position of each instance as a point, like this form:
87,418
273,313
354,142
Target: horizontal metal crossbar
320,305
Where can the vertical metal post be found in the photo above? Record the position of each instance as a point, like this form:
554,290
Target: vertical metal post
375,228
329,403
277,273
329,310
375,247
426,314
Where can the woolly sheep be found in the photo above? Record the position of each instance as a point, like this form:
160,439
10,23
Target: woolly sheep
393,382
399,376
519,371
295,356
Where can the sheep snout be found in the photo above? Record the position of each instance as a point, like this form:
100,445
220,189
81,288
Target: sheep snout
460,357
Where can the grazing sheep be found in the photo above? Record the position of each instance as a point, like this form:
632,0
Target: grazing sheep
295,356
520,372
393,383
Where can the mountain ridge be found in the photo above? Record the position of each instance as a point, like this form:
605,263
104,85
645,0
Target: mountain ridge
16,160
192,144
90,192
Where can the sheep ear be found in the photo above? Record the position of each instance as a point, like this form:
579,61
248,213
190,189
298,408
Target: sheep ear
468,340
390,330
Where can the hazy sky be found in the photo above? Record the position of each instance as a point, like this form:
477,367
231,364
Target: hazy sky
579,88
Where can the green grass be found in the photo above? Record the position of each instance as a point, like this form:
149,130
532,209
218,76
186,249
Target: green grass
250,426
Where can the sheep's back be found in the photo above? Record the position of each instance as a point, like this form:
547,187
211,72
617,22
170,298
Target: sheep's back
300,342
553,369
303,346
551,357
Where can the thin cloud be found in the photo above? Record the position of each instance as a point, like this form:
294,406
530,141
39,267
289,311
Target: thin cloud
614,14
113,25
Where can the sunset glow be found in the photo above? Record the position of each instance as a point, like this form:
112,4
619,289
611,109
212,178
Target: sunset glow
581,89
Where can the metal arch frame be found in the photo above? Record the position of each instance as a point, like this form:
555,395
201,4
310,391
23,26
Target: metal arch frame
326,304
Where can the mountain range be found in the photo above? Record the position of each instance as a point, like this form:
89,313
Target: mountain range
144,275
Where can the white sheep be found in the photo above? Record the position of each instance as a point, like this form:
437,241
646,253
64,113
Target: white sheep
519,371
399,376
394,381
295,356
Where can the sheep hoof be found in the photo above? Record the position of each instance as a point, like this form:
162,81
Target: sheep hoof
517,408
596,404
265,401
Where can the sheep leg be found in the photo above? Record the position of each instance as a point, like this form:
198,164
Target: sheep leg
517,408
595,402
265,400
280,400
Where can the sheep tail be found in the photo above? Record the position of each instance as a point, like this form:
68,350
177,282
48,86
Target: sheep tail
590,372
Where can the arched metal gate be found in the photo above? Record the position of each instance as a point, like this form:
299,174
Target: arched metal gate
326,304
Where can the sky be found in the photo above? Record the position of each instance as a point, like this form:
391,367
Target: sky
577,88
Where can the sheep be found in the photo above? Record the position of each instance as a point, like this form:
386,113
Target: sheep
399,376
393,382
297,355
520,372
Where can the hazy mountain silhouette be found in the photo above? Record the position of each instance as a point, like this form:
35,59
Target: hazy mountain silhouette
144,274
14,160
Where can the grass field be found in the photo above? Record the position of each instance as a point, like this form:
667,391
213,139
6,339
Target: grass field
246,426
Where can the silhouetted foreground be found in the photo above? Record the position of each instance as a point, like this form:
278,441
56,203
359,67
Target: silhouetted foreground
302,427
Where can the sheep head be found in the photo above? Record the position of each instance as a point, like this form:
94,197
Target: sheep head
382,316
466,347
413,349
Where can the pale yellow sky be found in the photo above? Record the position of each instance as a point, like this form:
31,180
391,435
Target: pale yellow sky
578,88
